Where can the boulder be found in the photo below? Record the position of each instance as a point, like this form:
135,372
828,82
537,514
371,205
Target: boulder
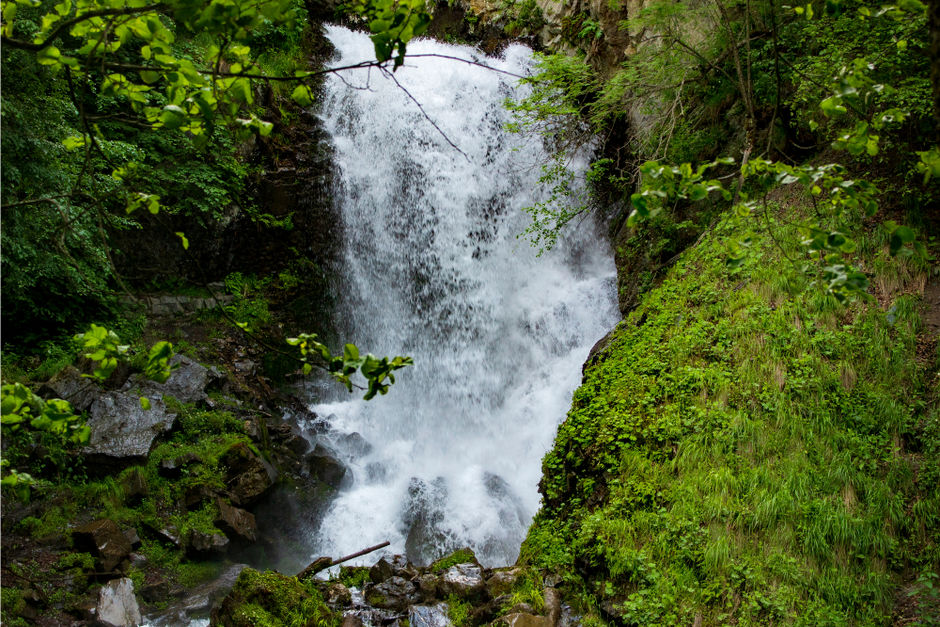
236,522
247,475
134,486
338,594
122,430
552,605
69,384
354,444
172,467
381,571
429,586
187,382
423,516
324,465
199,601
202,542
117,605
105,540
463,580
519,619
429,615
395,593
502,581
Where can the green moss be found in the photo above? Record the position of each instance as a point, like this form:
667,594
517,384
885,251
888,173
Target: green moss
737,453
460,556
12,606
52,523
354,576
458,610
271,599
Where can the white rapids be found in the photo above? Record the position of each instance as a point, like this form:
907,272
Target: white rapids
432,268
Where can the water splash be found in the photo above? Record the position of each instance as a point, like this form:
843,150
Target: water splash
433,269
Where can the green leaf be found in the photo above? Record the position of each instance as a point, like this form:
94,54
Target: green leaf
145,403
183,239
302,96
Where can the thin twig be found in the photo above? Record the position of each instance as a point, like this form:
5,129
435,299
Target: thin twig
423,112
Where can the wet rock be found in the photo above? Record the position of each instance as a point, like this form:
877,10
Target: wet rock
122,430
236,522
70,385
248,476
351,619
519,619
117,605
201,542
396,593
132,538
172,468
354,444
105,540
134,486
197,494
422,518
463,580
502,581
199,601
429,586
168,534
324,465
552,605
338,594
381,571
429,615
187,382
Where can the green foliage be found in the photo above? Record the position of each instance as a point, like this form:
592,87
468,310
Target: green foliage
393,23
734,453
30,423
458,611
342,367
354,576
460,556
523,17
269,598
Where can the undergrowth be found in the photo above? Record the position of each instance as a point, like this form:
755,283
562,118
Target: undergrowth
747,450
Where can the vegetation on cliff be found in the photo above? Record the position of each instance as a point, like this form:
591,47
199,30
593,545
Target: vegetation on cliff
757,442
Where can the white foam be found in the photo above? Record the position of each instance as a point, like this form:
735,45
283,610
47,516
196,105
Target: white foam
434,269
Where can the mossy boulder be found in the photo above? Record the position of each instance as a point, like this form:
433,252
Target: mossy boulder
271,599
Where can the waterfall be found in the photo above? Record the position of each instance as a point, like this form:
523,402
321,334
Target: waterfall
433,268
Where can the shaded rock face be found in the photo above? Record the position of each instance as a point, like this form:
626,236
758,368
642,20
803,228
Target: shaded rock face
70,385
105,540
236,522
122,431
117,605
187,383
248,475
325,467
199,601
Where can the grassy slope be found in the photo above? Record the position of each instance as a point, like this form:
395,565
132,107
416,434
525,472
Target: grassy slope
748,451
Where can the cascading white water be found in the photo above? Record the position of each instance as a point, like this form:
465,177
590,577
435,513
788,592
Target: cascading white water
433,268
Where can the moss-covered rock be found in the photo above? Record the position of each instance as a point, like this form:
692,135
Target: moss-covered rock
270,599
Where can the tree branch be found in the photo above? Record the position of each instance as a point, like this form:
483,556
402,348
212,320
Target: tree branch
64,26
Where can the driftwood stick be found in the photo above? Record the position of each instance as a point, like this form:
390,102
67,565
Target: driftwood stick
322,563
360,553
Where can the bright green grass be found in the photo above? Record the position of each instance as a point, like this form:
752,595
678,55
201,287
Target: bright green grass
748,451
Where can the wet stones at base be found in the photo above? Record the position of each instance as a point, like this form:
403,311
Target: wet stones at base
394,593
117,606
